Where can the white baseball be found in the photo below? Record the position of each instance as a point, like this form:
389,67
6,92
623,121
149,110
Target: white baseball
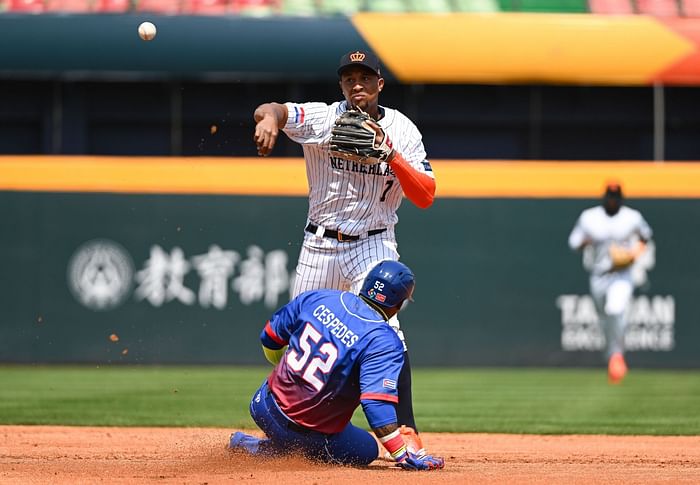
147,31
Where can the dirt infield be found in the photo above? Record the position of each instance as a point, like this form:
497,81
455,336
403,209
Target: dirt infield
77,455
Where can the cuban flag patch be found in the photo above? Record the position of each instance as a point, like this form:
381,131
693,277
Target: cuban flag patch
389,384
373,294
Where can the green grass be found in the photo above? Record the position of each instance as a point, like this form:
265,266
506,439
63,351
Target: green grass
554,401
559,401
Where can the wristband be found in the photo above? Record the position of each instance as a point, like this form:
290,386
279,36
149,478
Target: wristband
394,444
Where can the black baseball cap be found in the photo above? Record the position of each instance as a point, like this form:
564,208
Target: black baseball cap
613,190
360,58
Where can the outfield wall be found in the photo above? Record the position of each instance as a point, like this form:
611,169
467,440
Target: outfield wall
182,260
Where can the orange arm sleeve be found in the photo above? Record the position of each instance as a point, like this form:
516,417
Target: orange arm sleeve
418,187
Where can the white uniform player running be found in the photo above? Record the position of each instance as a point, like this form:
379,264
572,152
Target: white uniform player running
617,235
352,206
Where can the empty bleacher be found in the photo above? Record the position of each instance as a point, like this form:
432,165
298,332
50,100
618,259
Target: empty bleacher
25,6
611,7
690,8
111,6
311,8
658,8
544,6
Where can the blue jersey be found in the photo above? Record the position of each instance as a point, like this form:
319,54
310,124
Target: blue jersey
340,351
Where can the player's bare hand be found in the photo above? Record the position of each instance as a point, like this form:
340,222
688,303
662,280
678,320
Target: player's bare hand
266,132
382,141
378,130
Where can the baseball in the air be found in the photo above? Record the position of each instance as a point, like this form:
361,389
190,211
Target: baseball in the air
147,31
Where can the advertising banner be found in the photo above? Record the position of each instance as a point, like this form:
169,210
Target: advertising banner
162,278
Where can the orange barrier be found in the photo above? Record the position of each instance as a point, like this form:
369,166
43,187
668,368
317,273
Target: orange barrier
287,177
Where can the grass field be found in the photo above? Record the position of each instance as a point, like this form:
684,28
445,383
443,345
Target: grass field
549,401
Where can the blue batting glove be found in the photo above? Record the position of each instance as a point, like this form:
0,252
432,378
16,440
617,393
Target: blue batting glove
425,462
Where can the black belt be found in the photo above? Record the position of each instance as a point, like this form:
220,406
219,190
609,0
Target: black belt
312,228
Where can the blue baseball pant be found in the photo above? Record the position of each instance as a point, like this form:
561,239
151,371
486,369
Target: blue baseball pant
351,446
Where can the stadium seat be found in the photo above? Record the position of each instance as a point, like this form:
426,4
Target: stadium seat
690,8
658,8
73,6
432,6
205,7
299,8
388,6
168,7
254,8
339,7
551,6
112,6
611,7
26,6
476,6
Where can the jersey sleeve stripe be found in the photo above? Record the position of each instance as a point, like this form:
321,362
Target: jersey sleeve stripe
271,333
379,397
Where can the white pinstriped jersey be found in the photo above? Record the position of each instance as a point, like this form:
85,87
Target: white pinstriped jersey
345,195
602,230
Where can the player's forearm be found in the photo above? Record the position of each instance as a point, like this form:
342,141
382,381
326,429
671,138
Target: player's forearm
381,415
578,240
418,187
386,430
579,246
277,111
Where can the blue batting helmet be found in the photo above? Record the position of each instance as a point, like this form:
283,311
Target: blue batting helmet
389,283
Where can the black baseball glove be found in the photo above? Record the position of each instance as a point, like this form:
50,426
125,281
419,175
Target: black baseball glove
352,137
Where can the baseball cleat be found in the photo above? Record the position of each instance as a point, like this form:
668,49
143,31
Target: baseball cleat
242,441
617,368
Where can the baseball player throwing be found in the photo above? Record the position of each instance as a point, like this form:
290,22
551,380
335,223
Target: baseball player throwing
352,204
617,235
333,350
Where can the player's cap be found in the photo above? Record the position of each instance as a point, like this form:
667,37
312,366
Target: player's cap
612,199
388,284
360,58
613,190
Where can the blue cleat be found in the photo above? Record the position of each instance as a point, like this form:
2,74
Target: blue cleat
242,441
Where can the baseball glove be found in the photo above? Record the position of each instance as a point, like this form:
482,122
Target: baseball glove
352,137
621,257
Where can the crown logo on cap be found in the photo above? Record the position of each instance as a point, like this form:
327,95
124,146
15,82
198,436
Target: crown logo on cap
357,56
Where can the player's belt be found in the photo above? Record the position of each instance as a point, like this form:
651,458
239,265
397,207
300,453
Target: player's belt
330,233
